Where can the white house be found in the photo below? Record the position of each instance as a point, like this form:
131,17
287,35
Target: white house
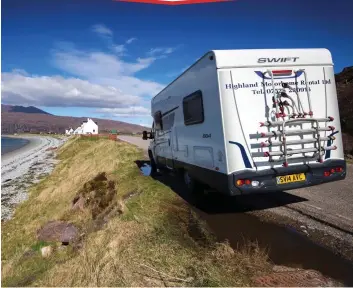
89,127
69,131
78,130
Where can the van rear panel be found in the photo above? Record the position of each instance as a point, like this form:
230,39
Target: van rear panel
256,145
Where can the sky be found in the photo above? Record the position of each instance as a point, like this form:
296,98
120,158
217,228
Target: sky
107,59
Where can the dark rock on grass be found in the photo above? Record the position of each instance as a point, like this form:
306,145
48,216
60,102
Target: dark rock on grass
58,231
97,195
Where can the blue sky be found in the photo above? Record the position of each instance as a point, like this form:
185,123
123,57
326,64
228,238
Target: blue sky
107,59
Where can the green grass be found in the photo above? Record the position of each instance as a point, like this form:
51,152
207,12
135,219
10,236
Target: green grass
157,241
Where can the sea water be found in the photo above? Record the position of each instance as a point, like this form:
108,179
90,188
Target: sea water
10,144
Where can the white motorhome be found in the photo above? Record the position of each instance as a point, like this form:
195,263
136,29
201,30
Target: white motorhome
244,121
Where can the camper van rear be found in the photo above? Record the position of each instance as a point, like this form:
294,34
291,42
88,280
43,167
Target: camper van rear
241,123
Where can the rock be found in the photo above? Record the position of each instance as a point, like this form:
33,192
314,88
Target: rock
121,207
78,203
58,231
279,268
46,251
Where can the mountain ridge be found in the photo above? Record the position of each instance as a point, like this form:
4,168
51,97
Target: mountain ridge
23,109
31,122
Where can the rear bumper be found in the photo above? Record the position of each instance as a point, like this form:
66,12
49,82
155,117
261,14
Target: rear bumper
267,178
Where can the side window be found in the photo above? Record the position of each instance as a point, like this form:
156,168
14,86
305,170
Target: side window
168,122
193,108
158,120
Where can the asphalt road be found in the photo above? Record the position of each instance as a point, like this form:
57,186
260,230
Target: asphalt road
331,203
135,140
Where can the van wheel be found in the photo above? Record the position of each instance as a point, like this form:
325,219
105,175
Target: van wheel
152,163
194,186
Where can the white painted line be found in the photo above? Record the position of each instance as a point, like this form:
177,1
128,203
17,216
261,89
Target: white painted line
344,217
313,206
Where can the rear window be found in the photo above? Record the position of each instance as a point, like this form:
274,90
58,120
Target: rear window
193,108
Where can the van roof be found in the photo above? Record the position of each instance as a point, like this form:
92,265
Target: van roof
274,57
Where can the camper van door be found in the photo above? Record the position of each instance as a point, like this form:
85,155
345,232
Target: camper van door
168,123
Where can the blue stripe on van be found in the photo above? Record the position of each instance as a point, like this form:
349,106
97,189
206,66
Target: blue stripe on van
329,143
243,154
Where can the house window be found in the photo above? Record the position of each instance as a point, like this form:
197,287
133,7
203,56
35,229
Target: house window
193,108
94,130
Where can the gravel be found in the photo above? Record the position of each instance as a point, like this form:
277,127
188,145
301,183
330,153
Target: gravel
22,168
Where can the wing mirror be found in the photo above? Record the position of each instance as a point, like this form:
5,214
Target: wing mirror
145,135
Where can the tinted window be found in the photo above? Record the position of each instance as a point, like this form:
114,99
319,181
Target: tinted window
193,108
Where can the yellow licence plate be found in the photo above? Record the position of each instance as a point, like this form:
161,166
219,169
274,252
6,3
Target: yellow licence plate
290,178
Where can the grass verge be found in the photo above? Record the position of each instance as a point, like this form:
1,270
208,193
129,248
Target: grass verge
155,240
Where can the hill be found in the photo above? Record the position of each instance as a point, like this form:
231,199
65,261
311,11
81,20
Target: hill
19,119
29,109
344,83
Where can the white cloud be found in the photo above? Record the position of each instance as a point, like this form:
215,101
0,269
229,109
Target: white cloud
132,111
147,125
119,49
108,69
57,91
129,41
104,81
161,51
97,79
102,30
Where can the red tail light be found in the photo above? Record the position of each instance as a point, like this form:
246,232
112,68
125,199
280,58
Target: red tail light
333,170
241,182
327,173
339,169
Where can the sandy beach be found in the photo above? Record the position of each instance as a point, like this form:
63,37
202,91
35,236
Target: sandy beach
22,168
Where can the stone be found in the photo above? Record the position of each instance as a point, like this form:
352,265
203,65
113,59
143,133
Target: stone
78,203
46,251
58,231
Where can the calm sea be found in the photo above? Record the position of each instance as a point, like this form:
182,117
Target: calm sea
11,144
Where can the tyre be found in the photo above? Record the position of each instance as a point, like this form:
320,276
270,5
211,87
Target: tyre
193,186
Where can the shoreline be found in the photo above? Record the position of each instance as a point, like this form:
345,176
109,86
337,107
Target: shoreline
32,143
9,136
23,167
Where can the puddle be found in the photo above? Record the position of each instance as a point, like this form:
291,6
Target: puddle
233,219
146,169
285,245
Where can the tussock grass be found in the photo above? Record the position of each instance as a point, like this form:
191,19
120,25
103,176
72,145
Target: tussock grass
157,241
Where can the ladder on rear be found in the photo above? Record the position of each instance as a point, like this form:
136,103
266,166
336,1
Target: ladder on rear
278,132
